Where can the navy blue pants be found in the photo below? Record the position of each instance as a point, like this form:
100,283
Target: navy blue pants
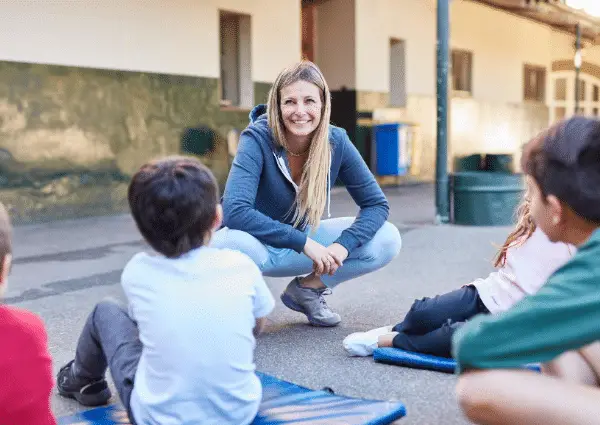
430,323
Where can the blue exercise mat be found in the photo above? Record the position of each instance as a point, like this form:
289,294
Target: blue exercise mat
400,357
282,403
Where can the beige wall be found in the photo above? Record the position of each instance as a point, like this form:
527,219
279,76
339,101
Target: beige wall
410,20
175,36
501,44
335,43
474,127
498,128
495,119
590,54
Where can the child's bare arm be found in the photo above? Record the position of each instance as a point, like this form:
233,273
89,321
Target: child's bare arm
259,326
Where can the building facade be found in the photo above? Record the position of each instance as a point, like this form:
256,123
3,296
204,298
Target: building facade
511,72
90,90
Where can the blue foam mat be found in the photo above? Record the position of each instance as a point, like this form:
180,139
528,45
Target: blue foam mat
282,403
400,357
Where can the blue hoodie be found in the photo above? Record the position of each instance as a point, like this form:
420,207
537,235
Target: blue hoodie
260,195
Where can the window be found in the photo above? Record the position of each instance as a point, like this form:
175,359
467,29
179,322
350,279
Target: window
534,83
562,103
237,88
397,73
462,64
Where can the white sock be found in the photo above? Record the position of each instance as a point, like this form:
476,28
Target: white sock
363,344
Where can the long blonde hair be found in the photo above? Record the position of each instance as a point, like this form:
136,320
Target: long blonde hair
522,231
5,243
312,193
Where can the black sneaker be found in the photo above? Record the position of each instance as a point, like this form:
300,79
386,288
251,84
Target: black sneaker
87,393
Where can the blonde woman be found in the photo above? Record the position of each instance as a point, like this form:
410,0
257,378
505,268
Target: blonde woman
279,187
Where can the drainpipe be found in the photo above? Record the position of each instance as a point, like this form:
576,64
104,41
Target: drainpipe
442,198
577,63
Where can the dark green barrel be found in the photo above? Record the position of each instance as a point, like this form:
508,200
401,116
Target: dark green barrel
499,163
468,163
486,198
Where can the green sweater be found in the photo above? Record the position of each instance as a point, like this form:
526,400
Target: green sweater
564,315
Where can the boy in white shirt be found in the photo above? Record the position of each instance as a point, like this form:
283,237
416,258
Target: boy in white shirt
184,354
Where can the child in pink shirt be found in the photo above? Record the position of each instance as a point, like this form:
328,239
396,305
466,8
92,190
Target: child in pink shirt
524,263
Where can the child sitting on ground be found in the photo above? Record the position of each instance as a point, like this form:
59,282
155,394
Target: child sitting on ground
25,365
563,318
185,352
430,323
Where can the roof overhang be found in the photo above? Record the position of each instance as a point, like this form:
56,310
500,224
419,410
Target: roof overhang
554,13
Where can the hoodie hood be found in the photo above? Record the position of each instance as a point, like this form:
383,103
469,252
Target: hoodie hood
258,112
259,126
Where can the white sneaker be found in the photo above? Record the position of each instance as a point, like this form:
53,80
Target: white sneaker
363,344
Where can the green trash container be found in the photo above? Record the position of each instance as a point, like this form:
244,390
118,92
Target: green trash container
468,163
499,163
485,198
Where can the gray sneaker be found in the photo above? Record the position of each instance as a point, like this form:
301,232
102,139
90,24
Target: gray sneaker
310,302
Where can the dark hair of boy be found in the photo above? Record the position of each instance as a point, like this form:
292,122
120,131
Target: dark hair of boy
5,235
565,162
174,204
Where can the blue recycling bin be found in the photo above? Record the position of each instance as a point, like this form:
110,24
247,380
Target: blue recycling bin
391,151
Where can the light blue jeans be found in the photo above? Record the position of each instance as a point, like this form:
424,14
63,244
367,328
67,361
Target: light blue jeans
283,262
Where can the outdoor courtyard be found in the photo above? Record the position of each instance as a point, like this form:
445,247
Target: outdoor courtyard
63,268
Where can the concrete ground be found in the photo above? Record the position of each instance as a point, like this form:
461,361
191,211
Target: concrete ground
63,268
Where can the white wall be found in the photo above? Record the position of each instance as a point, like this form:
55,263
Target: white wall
501,44
335,43
410,20
168,36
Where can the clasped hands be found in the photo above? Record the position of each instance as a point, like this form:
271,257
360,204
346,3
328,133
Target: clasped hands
326,260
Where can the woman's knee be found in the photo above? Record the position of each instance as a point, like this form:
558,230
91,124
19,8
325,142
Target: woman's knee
243,242
387,244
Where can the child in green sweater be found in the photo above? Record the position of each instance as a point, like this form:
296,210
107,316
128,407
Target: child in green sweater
559,325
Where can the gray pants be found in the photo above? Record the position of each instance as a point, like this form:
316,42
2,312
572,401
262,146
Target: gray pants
110,339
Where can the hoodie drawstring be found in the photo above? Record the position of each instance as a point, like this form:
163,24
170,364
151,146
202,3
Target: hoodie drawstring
329,190
283,168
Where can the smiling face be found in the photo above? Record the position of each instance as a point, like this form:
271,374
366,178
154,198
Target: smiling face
301,107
